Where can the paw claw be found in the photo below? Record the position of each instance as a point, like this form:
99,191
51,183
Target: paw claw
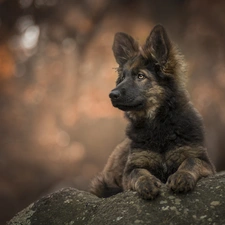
181,181
148,187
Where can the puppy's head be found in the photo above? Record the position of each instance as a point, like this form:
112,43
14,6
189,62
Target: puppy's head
145,73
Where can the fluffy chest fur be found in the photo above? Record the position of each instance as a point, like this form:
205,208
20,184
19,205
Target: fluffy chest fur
169,129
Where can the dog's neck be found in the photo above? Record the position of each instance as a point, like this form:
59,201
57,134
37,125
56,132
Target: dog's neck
170,122
166,110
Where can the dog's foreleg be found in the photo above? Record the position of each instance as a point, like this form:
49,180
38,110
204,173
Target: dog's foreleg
188,173
137,175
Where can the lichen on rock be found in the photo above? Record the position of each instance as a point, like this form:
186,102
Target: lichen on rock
69,206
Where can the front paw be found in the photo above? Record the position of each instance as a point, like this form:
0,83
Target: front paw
148,187
181,181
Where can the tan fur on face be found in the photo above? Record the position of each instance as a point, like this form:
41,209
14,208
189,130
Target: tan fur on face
155,97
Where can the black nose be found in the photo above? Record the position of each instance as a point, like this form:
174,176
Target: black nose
114,94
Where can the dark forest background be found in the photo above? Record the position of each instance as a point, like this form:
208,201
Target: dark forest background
56,69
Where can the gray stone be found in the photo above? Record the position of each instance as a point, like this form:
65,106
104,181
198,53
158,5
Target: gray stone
69,206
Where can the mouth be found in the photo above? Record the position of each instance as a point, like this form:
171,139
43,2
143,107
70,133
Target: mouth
127,107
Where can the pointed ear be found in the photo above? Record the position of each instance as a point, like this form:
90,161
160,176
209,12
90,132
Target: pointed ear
158,45
124,47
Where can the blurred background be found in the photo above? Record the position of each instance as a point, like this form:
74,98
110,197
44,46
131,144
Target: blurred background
56,69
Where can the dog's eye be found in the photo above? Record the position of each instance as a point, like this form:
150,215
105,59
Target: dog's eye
140,76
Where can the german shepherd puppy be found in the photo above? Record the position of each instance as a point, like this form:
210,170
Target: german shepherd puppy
165,135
